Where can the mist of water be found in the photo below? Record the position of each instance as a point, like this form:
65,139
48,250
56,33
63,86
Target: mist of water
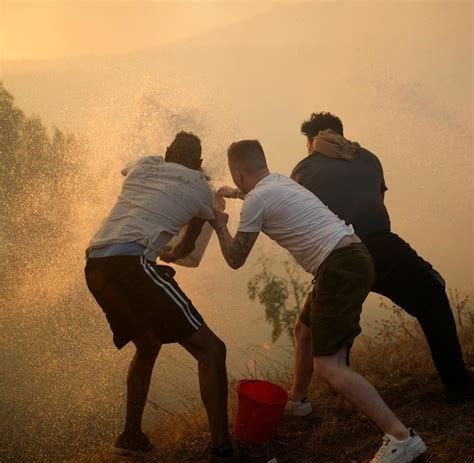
63,382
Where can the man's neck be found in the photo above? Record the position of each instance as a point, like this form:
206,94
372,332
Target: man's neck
260,176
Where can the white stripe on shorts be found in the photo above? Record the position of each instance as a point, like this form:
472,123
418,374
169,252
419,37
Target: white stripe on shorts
176,292
172,292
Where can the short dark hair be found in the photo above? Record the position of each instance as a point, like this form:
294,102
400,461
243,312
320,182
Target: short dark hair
248,154
185,149
321,121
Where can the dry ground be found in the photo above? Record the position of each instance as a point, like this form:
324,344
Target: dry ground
396,361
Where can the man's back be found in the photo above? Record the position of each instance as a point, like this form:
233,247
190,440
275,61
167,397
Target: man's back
294,218
351,189
157,200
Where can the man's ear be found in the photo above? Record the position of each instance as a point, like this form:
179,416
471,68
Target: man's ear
196,165
239,176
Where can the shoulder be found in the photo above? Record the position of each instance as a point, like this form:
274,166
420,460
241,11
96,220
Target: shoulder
254,196
200,183
186,174
143,162
311,163
254,200
364,153
303,162
150,160
206,189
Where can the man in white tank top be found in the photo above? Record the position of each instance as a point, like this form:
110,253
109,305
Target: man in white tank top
328,249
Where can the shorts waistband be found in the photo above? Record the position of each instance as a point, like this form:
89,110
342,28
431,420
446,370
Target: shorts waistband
341,253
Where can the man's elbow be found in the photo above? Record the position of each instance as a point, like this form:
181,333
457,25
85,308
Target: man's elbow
184,250
235,264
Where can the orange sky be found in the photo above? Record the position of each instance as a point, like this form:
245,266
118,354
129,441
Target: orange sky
44,30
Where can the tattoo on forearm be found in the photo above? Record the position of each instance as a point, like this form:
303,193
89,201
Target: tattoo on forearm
236,250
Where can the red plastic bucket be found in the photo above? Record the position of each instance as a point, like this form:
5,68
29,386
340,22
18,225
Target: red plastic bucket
259,409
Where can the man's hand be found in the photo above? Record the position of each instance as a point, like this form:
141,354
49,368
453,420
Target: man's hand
220,219
230,192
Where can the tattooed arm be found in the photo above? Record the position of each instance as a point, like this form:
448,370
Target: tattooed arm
237,249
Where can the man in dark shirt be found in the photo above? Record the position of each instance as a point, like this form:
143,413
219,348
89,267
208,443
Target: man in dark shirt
349,180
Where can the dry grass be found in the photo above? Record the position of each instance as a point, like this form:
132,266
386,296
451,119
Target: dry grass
397,362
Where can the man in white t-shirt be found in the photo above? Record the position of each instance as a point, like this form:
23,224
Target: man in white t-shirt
142,301
328,249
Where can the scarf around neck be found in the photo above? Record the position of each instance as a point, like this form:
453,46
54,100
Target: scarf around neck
333,145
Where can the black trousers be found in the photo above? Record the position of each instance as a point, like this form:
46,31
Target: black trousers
415,286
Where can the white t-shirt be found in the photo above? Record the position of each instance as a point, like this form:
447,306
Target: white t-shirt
157,200
293,217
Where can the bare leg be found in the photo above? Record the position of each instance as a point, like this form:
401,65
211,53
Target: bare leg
360,392
210,352
139,377
303,366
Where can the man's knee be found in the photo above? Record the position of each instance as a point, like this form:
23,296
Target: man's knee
325,368
431,301
205,346
213,348
217,349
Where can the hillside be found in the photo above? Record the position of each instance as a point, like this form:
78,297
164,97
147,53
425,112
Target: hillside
396,361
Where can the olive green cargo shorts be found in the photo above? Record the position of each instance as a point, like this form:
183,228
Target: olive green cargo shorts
332,309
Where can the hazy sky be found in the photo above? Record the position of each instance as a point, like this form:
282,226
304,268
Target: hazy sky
43,30
398,73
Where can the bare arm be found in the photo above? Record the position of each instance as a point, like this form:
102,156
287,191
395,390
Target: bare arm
187,243
235,250
230,192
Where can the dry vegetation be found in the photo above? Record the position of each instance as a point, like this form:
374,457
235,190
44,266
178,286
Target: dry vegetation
397,361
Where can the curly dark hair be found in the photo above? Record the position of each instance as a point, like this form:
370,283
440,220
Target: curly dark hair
186,150
321,121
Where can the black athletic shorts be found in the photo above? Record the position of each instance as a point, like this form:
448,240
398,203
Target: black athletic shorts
136,294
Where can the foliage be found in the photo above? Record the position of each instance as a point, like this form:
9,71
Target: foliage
282,296
39,174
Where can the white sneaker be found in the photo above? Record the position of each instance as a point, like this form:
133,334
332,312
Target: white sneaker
301,408
400,451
